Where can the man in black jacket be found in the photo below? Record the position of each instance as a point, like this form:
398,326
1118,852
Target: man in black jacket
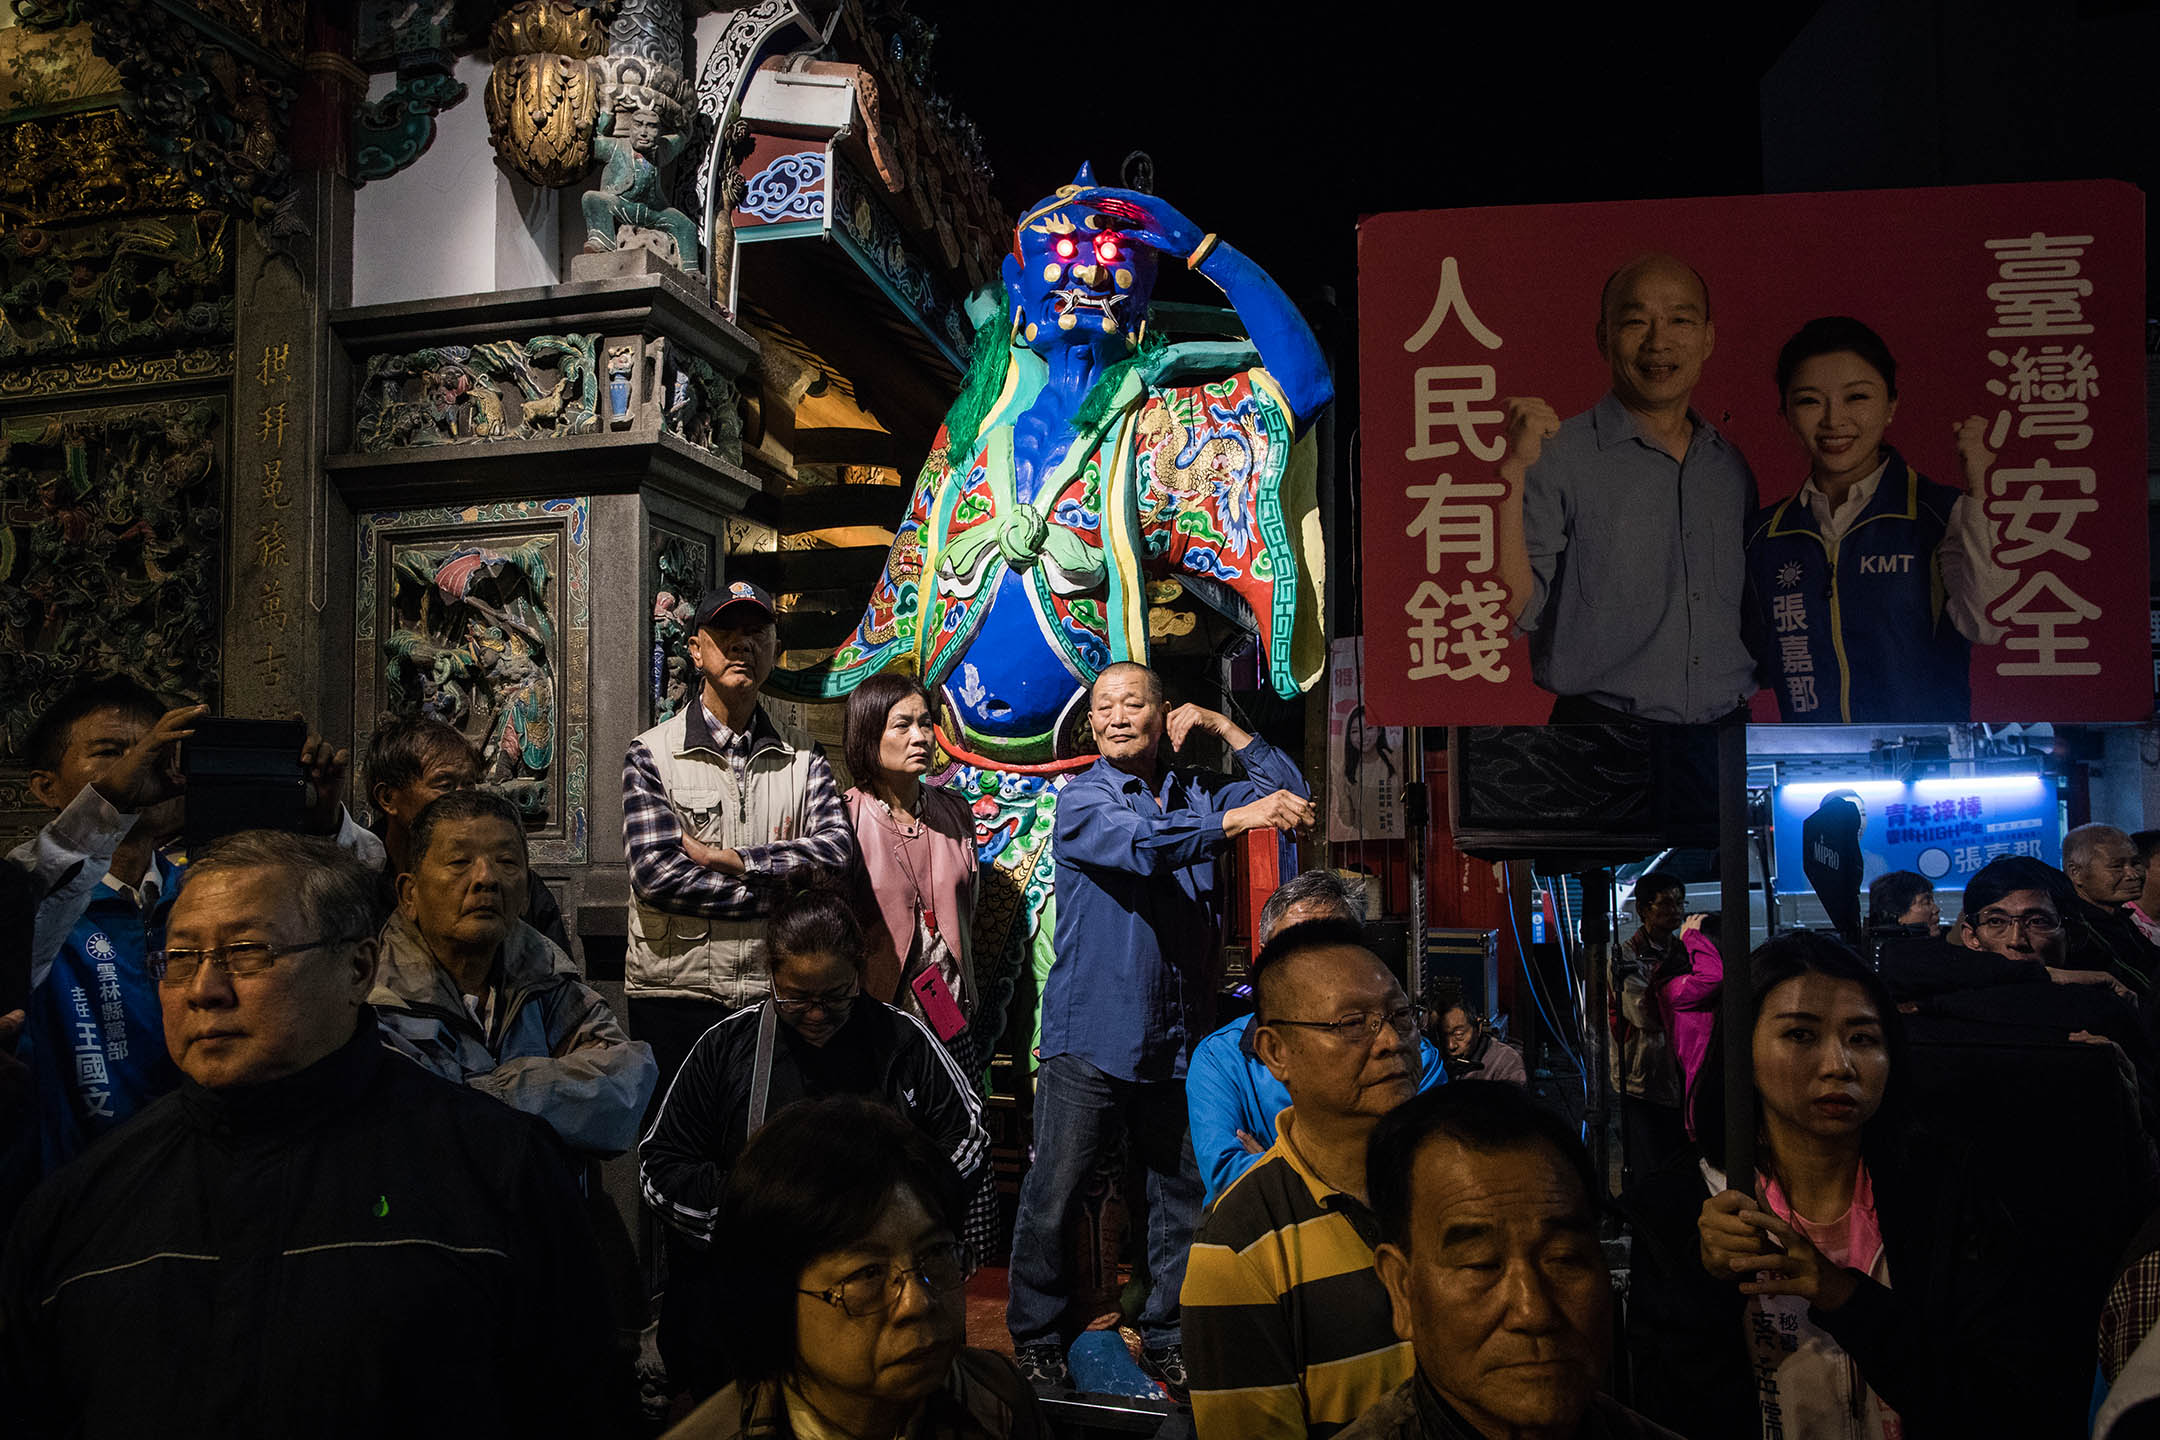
312,1236
2010,979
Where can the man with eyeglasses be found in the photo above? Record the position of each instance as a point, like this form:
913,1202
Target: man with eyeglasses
1231,1097
311,1237
105,758
2010,931
2107,876
2005,978
2021,924
2014,909
1288,1330
1474,1050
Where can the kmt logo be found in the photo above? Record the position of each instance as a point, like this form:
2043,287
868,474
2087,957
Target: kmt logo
1886,565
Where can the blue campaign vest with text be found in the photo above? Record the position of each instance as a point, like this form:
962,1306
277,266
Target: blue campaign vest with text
94,1037
1864,635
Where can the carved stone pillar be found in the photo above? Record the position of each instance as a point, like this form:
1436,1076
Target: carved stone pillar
276,518
288,535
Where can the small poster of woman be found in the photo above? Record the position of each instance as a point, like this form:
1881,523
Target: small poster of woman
1365,761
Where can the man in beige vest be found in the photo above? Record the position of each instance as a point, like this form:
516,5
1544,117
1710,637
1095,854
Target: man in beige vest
722,808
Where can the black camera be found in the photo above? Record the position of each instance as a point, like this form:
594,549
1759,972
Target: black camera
243,775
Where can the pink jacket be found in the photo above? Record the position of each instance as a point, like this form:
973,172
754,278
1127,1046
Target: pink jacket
1685,1002
893,860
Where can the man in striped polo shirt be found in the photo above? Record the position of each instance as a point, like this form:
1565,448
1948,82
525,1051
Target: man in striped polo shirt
1287,1326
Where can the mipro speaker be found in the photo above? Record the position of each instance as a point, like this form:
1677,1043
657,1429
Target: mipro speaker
1583,794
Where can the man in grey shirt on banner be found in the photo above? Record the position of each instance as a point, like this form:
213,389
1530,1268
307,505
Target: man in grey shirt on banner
1620,542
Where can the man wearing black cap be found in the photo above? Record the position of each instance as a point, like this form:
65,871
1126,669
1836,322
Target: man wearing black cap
721,809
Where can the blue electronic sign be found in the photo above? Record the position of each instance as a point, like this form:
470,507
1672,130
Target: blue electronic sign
1944,826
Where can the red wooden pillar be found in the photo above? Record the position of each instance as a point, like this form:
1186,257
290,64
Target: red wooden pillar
1264,860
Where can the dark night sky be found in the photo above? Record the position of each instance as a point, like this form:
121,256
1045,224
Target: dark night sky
1277,134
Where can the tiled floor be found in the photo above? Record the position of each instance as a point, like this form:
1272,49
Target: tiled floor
986,1330
986,1311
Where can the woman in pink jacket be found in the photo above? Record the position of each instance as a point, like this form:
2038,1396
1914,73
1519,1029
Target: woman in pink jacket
1687,997
914,882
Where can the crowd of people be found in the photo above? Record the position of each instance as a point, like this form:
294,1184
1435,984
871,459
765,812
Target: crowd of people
300,1132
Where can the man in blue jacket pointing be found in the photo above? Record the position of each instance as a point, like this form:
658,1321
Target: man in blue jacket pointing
1131,992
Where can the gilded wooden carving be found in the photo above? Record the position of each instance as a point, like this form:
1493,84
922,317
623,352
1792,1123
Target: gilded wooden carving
118,373
542,97
541,27
214,107
55,168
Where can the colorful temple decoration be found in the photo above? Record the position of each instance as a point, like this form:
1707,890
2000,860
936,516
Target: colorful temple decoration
1084,460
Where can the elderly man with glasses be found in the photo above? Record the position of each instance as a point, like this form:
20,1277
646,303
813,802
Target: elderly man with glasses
2106,874
1287,1326
311,1237
1230,1096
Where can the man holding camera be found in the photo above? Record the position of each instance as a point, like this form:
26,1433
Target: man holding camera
104,756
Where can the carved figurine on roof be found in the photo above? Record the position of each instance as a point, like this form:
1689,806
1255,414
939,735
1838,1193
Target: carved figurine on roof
1083,460
635,140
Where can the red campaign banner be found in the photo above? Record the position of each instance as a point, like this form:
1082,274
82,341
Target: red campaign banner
1995,572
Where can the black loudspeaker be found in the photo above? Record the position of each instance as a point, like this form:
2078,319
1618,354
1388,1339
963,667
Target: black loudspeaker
1581,795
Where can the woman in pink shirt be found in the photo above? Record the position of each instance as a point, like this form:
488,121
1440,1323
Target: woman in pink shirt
1868,1280
914,881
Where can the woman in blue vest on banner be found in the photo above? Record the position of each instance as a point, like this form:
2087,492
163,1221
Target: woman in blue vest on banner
1869,588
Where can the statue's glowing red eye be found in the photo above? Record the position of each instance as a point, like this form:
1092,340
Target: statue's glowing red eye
1106,249
1065,248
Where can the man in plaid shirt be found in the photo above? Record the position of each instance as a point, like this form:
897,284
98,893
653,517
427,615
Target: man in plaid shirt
722,810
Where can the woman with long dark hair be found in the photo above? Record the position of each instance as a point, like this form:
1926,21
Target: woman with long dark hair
1868,589
1864,1282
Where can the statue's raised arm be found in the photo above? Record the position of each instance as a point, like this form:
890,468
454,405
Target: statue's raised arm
1286,344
